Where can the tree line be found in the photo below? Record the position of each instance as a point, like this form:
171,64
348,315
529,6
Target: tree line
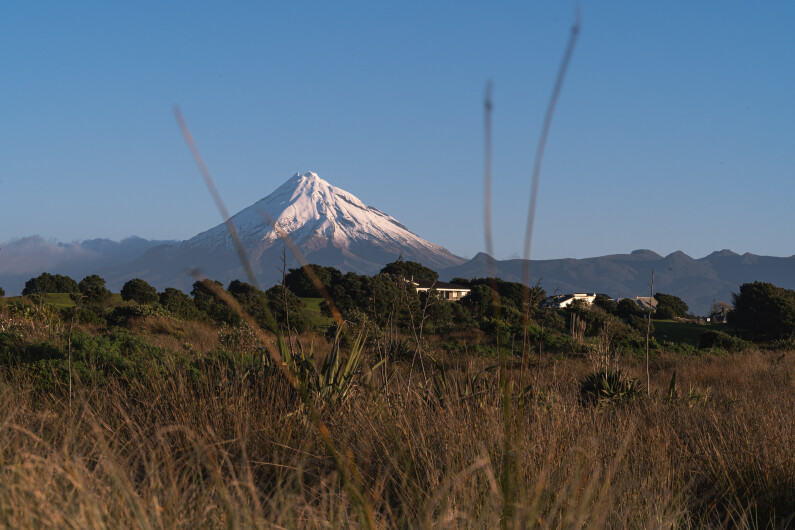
761,311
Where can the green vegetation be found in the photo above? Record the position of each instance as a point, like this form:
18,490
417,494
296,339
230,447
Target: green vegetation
678,332
763,312
314,315
410,270
93,290
49,283
417,412
139,291
669,306
610,387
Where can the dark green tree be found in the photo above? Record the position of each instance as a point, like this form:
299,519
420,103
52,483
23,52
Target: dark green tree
511,294
93,289
252,300
2,292
606,303
441,315
627,307
276,296
351,293
179,304
207,301
669,306
409,270
300,283
140,291
50,283
763,312
480,302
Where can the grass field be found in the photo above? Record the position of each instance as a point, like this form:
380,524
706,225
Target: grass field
64,300
315,317
178,424
680,332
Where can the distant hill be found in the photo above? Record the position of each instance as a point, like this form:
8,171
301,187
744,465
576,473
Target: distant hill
697,281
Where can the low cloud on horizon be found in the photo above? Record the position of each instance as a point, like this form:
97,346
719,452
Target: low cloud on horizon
27,257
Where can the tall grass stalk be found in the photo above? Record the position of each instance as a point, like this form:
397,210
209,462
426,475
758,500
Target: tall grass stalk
346,467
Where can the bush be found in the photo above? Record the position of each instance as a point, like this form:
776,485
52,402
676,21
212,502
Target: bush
295,309
50,283
139,291
609,387
179,304
10,346
641,323
345,337
763,312
121,315
94,358
669,306
208,302
91,315
719,339
93,288
627,308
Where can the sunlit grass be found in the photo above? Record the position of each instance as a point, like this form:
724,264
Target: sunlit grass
315,317
231,445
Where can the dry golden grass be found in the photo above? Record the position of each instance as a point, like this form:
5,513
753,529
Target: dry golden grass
240,451
175,334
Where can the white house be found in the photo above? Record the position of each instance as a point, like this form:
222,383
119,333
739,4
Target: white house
559,301
447,291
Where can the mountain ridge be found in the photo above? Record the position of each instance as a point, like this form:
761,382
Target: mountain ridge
697,281
333,228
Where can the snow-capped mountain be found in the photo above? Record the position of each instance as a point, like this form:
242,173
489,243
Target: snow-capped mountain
329,225
317,215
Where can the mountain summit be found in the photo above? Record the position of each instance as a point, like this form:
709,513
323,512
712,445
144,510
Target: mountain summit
330,226
318,216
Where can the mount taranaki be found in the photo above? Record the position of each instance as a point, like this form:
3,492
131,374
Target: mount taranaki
330,226
333,228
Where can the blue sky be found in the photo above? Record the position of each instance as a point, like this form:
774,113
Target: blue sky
674,130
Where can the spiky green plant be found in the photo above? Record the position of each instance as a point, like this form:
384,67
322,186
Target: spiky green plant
609,387
461,385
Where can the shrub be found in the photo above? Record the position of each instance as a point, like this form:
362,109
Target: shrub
206,300
669,306
93,288
179,304
719,339
609,387
640,323
11,345
763,312
50,283
121,315
140,291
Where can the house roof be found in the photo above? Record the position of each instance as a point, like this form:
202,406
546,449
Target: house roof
646,302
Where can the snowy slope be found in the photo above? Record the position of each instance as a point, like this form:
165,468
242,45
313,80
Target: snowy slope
317,215
330,226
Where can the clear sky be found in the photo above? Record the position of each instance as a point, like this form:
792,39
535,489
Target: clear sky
675,129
